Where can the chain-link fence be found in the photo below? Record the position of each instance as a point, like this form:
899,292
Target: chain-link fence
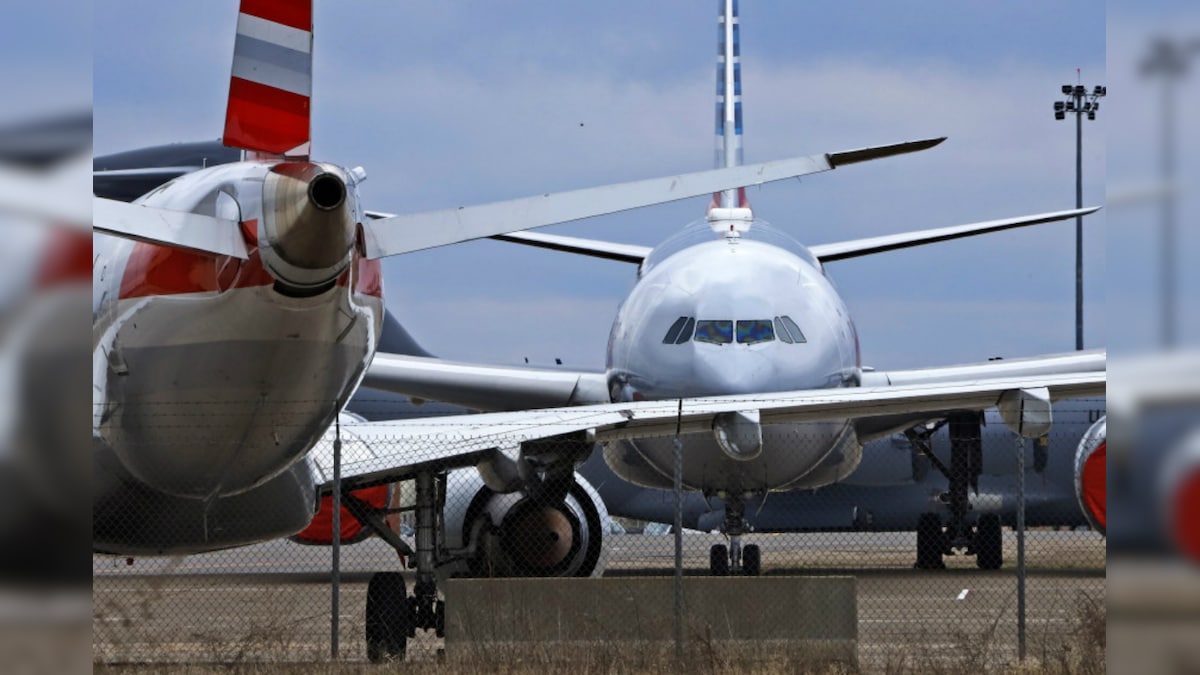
922,520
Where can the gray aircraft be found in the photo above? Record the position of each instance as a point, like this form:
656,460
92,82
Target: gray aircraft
917,480
222,280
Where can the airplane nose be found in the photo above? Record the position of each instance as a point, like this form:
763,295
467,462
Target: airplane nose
733,369
309,224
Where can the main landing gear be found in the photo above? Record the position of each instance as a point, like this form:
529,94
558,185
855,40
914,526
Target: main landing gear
935,541
393,616
734,559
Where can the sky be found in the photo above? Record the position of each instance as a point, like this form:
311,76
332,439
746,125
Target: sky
448,104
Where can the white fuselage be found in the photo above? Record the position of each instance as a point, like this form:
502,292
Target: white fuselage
736,296
212,376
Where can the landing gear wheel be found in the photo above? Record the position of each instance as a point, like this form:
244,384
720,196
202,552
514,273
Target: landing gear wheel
989,543
751,560
388,617
930,542
718,560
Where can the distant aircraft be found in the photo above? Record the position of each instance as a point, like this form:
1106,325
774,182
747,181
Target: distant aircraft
899,487
729,306
240,307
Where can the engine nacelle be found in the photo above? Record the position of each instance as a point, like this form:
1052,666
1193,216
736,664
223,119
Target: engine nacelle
1181,496
320,529
512,535
1091,475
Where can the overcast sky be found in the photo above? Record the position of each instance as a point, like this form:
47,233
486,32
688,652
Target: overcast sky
457,103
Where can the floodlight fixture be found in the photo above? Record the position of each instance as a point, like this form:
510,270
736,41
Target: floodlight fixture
1066,89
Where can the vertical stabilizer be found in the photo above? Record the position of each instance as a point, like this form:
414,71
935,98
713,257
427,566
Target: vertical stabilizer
271,82
729,101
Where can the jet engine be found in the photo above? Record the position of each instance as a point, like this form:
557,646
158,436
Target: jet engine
1180,481
1091,475
515,535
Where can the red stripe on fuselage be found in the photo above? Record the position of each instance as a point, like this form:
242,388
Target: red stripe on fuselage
294,13
264,118
163,270
68,258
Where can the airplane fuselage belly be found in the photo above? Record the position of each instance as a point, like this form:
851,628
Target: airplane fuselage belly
790,452
131,518
208,395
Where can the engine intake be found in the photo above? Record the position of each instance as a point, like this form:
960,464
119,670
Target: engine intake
1091,475
515,535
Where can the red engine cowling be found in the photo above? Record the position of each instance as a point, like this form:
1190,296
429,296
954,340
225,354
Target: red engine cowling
1091,475
320,530
1181,496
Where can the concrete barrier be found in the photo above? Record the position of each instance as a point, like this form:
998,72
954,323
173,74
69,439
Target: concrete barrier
796,612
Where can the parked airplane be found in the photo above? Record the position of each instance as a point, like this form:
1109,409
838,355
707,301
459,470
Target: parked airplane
207,434
910,478
727,306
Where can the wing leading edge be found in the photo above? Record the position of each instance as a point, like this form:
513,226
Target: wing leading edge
831,252
376,452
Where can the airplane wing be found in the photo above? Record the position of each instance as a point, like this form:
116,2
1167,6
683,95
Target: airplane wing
378,452
870,428
482,387
824,252
405,233
173,228
860,247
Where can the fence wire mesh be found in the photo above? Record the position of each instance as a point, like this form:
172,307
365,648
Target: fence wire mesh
923,522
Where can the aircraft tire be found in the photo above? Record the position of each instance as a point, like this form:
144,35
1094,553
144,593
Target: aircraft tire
718,560
989,543
751,560
388,617
929,542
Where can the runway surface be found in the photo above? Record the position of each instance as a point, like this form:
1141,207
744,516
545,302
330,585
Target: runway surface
271,602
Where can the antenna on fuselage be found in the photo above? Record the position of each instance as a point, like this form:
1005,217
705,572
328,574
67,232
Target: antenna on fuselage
729,103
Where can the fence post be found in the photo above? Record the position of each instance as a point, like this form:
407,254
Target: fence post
336,543
1020,547
678,536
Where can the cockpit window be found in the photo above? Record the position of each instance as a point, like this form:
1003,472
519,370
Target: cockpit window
754,331
680,331
782,331
686,333
675,330
793,329
718,332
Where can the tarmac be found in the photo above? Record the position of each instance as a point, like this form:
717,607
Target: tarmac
272,602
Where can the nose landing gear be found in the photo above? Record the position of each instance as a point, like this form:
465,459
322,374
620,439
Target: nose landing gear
734,559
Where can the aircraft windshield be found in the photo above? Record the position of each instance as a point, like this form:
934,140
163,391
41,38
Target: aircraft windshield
757,330
699,232
718,332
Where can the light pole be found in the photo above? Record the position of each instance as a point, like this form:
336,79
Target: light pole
1168,59
1080,103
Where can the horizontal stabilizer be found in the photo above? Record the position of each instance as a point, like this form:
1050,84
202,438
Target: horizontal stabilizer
843,158
891,242
414,232
193,231
385,451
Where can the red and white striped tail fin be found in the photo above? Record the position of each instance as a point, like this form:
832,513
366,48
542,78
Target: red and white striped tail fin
271,83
